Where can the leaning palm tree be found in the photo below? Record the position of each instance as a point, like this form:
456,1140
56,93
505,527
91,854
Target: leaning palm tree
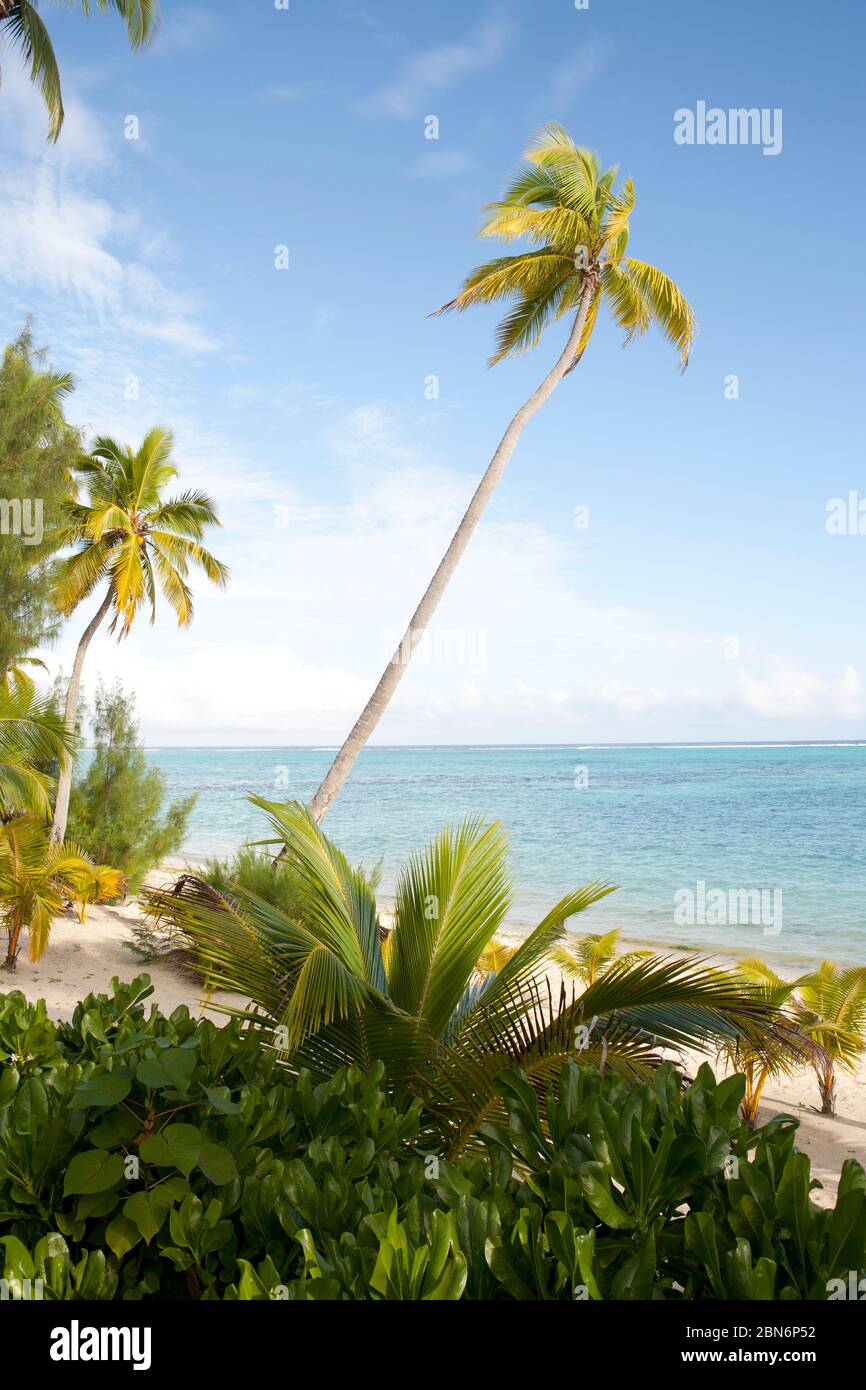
37,878
32,735
321,989
21,23
563,206
127,537
832,1011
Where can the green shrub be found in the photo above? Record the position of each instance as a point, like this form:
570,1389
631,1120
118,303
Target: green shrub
143,1156
117,810
253,870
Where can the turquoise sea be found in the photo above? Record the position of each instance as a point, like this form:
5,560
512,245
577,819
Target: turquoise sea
786,820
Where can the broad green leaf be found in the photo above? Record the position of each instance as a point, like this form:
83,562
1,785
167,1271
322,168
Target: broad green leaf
93,1171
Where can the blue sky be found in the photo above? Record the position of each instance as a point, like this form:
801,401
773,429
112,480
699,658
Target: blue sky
705,600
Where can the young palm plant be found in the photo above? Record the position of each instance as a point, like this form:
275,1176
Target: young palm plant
322,991
794,1048
588,958
128,537
576,228
36,880
832,1011
22,24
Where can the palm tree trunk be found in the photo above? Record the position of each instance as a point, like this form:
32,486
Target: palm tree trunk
13,929
379,700
73,696
827,1087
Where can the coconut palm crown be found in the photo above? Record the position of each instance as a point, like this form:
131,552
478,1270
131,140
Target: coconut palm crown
577,222
127,534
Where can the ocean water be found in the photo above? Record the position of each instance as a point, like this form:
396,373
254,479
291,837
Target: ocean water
786,821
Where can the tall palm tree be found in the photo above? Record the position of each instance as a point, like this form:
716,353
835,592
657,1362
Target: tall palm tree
832,1011
127,535
21,22
564,206
322,989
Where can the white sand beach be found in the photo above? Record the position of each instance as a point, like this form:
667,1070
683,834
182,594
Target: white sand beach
83,959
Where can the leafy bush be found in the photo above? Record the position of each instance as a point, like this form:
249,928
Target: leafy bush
117,810
253,870
144,1156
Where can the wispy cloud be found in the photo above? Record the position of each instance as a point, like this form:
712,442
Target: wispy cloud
424,75
62,236
570,77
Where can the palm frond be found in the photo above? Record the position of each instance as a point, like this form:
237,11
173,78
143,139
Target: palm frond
451,900
27,30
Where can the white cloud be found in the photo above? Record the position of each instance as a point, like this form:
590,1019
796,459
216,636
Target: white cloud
63,238
789,692
423,76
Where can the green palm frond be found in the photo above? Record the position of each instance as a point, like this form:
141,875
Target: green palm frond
36,878
130,537
152,469
669,309
832,1011
451,900
31,733
21,21
142,17
533,272
78,575
521,330
570,212
523,966
28,32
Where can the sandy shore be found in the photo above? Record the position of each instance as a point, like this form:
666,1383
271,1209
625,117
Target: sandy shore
83,959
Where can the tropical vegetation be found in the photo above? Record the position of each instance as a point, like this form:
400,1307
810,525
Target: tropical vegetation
37,877
328,992
38,453
118,808
831,1011
146,1157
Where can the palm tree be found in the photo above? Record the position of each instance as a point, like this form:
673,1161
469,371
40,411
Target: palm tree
567,209
794,1050
588,958
832,1011
32,734
103,883
37,878
21,22
127,535
322,990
